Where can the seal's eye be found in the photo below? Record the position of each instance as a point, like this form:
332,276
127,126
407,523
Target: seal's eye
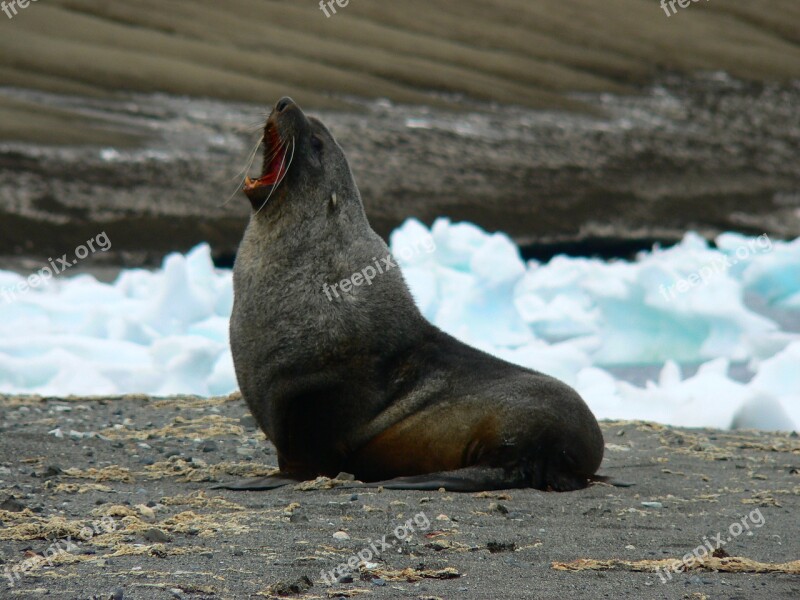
316,143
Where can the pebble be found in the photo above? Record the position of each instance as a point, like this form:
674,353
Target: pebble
209,446
156,536
652,504
497,507
248,421
11,504
298,518
118,594
148,514
341,535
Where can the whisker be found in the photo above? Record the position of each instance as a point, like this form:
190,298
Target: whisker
275,151
250,158
275,187
243,173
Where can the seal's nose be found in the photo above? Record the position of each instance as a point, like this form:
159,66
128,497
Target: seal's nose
283,104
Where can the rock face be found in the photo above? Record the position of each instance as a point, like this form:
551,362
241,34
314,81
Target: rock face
593,173
710,154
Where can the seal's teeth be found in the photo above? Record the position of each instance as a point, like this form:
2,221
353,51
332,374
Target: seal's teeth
248,182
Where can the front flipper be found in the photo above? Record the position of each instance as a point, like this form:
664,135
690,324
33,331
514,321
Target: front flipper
262,483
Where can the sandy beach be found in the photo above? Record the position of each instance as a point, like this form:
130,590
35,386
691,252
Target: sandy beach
138,472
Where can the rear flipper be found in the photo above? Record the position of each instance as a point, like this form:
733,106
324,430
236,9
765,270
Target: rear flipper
479,479
611,481
262,483
469,479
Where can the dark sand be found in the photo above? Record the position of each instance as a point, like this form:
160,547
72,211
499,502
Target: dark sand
174,537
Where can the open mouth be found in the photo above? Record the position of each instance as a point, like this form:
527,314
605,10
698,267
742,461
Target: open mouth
275,167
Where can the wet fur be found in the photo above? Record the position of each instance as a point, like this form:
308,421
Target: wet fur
363,383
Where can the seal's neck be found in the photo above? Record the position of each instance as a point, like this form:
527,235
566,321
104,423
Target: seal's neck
296,226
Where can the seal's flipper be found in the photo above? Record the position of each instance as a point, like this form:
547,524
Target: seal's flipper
261,483
469,479
611,481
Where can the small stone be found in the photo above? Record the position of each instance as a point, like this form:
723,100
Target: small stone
248,452
341,535
495,547
238,552
148,514
497,507
156,536
209,446
346,578
353,497
285,588
51,471
379,582
249,422
118,594
11,504
652,505
298,518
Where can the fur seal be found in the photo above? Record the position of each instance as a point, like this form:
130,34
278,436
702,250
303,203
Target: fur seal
361,382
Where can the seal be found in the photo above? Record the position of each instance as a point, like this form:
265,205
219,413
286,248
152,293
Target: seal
358,381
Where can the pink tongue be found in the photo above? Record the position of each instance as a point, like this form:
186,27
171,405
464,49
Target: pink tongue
269,179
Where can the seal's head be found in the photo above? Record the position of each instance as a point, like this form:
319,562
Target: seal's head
299,152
